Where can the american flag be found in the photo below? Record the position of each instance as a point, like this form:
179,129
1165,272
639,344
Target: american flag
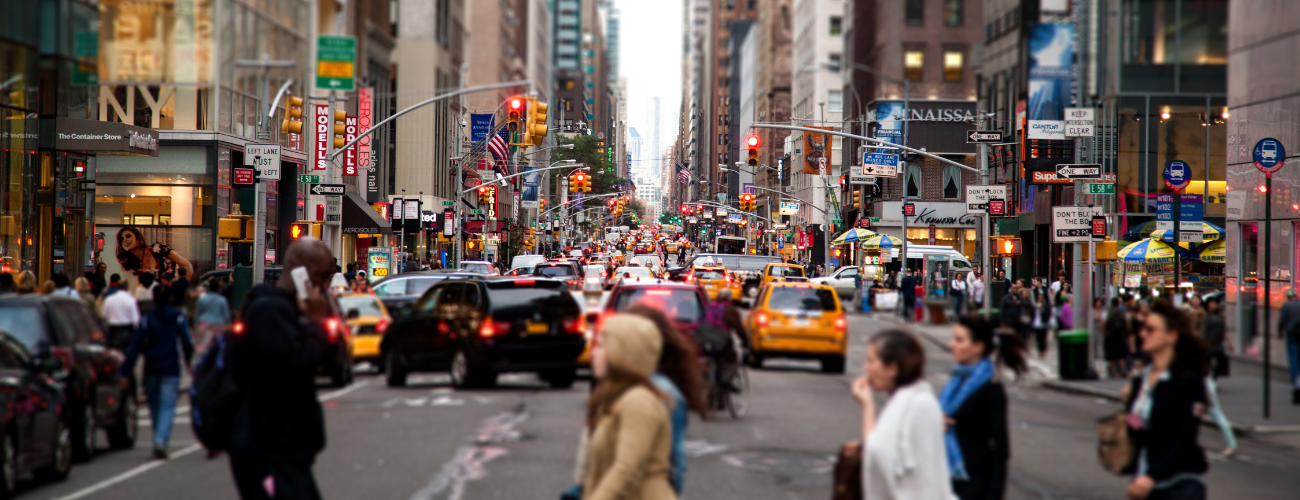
683,175
500,154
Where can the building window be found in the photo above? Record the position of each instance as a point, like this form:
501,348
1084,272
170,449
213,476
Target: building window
834,101
913,64
912,181
951,183
915,12
953,62
952,15
837,25
834,60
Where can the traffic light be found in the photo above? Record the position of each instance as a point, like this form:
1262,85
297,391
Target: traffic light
483,194
292,116
237,228
516,105
536,122
747,202
1006,247
305,228
340,128
752,142
857,198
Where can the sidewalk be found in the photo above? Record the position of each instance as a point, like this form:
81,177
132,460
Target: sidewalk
1241,396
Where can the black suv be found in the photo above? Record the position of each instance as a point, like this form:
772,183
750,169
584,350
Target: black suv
479,327
35,440
63,328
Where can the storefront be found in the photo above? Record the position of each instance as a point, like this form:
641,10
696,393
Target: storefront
935,223
363,226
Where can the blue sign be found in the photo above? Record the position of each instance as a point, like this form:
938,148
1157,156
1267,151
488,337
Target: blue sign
1269,156
882,159
1191,212
480,125
1164,212
780,243
1177,175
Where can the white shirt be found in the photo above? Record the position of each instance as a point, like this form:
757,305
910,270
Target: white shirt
977,290
120,309
904,457
144,294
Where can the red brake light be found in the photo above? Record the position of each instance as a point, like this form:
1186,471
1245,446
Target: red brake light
573,325
237,328
762,319
658,292
382,326
524,282
841,324
489,328
332,328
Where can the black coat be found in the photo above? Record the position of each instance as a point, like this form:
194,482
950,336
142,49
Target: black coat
278,356
981,427
1170,439
908,287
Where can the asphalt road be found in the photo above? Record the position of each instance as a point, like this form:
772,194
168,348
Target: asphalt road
517,441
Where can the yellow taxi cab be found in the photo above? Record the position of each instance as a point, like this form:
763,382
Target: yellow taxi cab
775,272
670,247
715,279
800,321
368,319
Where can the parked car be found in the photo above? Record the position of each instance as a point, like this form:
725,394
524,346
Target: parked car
480,327
841,280
37,440
62,328
399,292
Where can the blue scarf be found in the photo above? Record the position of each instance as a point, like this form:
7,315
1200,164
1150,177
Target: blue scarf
966,379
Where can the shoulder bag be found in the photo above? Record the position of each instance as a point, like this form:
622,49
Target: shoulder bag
848,472
1116,449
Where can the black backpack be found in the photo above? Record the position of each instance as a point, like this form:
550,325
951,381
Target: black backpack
215,393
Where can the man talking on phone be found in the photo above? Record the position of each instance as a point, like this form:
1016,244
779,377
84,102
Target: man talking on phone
281,428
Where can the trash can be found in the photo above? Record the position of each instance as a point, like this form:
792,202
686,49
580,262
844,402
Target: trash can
1072,352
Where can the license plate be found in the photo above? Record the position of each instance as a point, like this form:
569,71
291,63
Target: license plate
710,287
536,328
801,322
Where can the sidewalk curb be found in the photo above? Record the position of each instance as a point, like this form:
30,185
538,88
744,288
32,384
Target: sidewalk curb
1243,429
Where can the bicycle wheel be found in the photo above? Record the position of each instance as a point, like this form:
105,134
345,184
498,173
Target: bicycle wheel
737,401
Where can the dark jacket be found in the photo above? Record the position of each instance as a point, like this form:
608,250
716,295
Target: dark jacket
981,427
1170,439
1288,319
1213,330
278,355
908,287
1010,310
163,336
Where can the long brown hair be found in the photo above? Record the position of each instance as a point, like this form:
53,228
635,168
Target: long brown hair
677,360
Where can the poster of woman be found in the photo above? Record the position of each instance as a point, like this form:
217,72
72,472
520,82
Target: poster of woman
135,254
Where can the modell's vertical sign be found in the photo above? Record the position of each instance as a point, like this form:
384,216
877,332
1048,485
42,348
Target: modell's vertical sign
350,154
322,117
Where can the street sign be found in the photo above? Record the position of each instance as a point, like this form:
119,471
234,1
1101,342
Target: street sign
789,208
981,137
997,207
336,62
909,209
448,203
734,218
1269,156
244,176
1177,175
1101,188
1073,224
977,197
856,179
1164,212
476,211
874,219
326,189
333,208
1191,213
1079,122
695,220
265,158
879,165
1098,226
308,179
1081,171
721,212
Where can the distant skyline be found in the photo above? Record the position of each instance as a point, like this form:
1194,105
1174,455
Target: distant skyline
650,57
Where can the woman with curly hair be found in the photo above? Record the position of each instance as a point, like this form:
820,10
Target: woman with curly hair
136,256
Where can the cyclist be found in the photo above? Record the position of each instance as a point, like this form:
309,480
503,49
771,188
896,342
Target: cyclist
723,315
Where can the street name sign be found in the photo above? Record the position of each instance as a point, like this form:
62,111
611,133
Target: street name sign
265,158
1073,224
983,137
879,165
448,203
1079,122
1101,188
308,179
1081,171
327,189
977,197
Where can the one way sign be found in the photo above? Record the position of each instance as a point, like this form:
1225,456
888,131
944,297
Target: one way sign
326,189
979,136
1084,171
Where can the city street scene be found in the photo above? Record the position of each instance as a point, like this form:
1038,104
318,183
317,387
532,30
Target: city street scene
650,249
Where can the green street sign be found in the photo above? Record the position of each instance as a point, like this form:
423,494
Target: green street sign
873,219
336,62
1099,188
448,203
309,179
476,211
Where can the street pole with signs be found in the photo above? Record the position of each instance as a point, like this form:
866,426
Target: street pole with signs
264,136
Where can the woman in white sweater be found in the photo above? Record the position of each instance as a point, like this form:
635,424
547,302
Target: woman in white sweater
903,452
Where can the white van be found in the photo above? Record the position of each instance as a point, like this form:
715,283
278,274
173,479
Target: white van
916,257
526,261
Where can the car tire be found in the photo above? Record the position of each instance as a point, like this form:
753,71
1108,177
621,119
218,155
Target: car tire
395,369
84,436
465,375
61,462
8,466
560,379
754,360
833,364
122,435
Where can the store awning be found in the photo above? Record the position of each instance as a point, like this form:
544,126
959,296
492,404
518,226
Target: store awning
360,218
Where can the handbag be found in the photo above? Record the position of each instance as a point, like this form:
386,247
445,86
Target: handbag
848,472
1116,449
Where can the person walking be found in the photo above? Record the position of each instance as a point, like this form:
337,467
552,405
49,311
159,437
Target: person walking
1195,312
120,312
977,290
63,286
1040,322
958,291
143,293
211,313
630,441
1214,332
975,404
1164,406
1288,327
84,292
26,283
281,428
1010,311
908,290
1115,344
164,339
903,454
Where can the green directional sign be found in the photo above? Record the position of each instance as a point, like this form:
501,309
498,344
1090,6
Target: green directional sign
873,219
1099,188
309,179
476,211
336,62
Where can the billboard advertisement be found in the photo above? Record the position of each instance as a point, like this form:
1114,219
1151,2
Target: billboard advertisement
816,152
1051,52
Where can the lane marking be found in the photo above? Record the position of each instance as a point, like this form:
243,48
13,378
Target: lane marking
141,469
470,462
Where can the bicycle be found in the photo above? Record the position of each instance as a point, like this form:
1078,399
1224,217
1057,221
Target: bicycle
731,397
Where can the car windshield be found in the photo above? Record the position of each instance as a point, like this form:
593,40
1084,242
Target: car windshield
801,299
681,304
478,268
785,271
364,305
560,271
709,274
419,285
23,324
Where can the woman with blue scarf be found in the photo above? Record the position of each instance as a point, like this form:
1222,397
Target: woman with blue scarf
975,407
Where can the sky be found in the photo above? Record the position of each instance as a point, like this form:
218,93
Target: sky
651,59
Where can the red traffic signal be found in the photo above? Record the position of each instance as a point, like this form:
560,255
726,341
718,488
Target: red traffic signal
296,231
752,141
516,103
1008,246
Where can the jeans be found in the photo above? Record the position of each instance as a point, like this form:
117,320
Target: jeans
1293,359
958,300
162,392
